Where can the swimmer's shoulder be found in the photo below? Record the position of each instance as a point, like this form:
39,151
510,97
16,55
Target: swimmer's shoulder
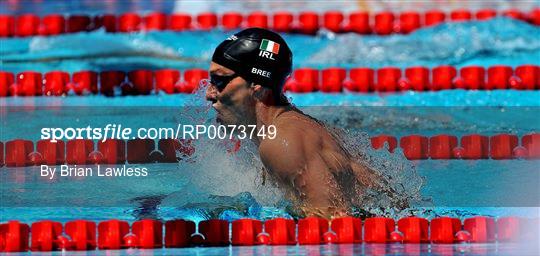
295,133
312,134
284,154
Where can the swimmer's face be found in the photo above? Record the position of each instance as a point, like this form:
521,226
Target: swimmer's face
232,96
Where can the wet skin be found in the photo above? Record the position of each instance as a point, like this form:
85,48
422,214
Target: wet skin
304,157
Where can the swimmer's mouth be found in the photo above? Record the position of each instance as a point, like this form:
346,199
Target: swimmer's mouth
218,117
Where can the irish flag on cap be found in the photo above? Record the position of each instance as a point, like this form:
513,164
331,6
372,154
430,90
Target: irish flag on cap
269,46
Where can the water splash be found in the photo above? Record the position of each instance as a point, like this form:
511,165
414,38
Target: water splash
457,43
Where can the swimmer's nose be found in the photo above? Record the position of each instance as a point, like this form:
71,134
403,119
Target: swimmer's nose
211,93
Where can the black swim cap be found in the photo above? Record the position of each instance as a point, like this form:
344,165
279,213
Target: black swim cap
258,55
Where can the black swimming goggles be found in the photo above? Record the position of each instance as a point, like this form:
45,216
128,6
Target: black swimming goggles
220,82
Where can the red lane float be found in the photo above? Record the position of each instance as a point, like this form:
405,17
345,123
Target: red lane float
168,149
414,147
6,82
282,21
84,82
82,234
534,16
53,24
14,236
332,20
311,230
111,234
280,231
532,143
155,21
486,14
443,230
180,22
192,79
414,229
308,22
443,77
52,153
56,83
257,19
167,80
1,154
388,79
378,229
471,78
129,22
360,80
347,229
332,79
110,80
148,233
20,152
215,232
528,77
107,21
381,141
139,150
384,23
359,23
45,236
17,153
303,80
442,146
7,25
434,17
245,231
29,83
141,82
474,146
460,15
482,229
178,233
78,151
27,25
231,20
113,151
499,77
502,146
417,78
78,23
207,21
408,22
514,14
508,229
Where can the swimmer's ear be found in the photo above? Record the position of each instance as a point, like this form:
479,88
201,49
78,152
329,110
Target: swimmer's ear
260,92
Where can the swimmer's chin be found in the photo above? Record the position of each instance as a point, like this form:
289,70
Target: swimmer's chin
220,120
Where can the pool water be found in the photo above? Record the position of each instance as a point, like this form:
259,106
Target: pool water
230,189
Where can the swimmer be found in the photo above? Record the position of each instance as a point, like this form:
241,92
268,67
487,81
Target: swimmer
247,75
